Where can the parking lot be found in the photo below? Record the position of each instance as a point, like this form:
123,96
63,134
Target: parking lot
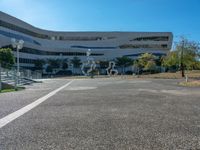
107,113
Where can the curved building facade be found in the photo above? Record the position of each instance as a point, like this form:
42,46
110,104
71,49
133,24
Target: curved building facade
43,44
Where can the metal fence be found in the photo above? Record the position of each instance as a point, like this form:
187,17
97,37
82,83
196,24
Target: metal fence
9,76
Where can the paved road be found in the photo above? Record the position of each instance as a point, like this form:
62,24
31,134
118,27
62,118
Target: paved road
103,114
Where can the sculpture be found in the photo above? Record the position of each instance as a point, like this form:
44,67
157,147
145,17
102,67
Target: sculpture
90,63
111,69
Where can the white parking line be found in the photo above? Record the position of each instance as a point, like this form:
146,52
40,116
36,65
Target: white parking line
9,118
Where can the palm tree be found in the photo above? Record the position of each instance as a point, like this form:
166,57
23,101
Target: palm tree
64,64
76,62
54,63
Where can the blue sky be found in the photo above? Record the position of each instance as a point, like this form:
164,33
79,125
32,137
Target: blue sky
182,17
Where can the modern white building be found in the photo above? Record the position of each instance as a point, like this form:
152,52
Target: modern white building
44,44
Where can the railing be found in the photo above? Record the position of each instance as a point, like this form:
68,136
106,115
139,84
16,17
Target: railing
24,73
9,76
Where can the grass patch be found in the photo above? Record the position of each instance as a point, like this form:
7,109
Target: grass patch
7,90
11,90
190,83
176,75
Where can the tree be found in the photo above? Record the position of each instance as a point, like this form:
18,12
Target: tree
49,69
39,64
171,61
195,65
189,53
137,66
54,63
124,62
103,64
185,56
76,62
147,61
145,58
6,60
65,64
151,65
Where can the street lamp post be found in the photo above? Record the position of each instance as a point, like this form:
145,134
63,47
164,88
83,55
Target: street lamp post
18,44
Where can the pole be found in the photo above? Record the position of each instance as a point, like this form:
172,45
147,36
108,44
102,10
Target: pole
18,45
18,65
182,65
15,78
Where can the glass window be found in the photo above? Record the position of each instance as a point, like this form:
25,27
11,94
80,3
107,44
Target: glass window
152,38
19,37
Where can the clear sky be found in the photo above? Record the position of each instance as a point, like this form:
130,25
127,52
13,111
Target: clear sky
182,17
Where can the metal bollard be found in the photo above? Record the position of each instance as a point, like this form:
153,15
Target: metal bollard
15,78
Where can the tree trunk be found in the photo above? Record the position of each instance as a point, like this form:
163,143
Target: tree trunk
182,70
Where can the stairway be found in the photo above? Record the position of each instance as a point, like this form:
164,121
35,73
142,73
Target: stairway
9,78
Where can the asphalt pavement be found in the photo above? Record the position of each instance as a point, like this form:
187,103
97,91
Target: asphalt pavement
110,114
